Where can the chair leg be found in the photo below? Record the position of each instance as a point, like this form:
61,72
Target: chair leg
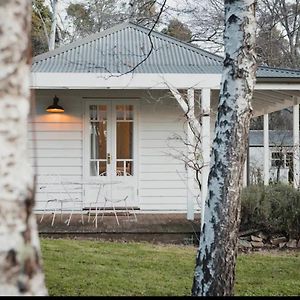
134,214
44,212
115,213
54,213
104,206
69,219
82,219
89,214
126,208
61,207
96,216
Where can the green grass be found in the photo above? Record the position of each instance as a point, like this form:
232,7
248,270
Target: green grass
83,268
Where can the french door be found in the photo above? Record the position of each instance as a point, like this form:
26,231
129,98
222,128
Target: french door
111,146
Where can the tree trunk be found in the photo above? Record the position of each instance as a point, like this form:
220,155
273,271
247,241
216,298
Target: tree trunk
20,259
53,25
216,257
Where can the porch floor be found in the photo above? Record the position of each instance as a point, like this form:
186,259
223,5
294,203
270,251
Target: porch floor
158,227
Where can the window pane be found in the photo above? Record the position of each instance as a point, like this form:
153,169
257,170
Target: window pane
124,140
102,112
93,112
129,112
120,168
102,168
129,169
120,112
98,140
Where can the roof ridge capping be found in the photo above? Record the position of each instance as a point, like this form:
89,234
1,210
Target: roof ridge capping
280,69
121,26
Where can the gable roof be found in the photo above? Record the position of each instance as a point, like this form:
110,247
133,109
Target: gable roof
122,47
277,138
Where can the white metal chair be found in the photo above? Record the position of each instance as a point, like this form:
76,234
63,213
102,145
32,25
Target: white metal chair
57,192
116,197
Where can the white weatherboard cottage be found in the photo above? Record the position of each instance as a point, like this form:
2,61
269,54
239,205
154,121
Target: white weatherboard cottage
117,121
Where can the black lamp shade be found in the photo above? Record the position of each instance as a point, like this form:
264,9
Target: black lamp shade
55,108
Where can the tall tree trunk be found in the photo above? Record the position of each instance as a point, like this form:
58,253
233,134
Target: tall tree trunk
216,257
20,260
53,25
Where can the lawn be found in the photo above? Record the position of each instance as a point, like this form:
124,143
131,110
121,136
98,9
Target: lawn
97,268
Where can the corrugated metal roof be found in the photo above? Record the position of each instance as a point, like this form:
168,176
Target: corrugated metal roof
122,47
276,138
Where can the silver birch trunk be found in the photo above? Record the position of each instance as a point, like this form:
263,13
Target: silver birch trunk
216,257
53,25
20,260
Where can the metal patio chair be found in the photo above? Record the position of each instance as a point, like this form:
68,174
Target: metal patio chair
116,198
58,193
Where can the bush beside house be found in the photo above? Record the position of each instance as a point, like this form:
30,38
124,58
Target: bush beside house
270,217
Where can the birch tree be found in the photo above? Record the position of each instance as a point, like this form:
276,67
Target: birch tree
216,257
20,260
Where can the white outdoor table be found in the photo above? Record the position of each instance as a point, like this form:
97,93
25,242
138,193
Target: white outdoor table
101,184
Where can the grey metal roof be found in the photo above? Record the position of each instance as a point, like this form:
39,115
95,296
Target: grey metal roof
276,138
120,48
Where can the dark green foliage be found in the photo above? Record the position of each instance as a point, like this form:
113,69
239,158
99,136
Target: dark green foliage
40,27
273,208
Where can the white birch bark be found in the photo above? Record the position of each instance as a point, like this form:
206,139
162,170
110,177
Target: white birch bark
216,257
20,259
53,25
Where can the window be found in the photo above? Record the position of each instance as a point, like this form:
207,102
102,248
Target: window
281,159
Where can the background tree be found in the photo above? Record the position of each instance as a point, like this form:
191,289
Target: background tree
89,17
20,259
283,18
40,27
178,30
216,257
143,12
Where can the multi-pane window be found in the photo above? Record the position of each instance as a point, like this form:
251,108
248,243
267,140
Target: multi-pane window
282,159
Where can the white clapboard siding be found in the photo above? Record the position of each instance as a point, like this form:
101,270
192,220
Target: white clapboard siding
161,126
150,144
61,170
56,135
151,160
158,135
57,161
162,192
162,183
54,127
163,176
171,168
55,145
163,151
57,153
42,179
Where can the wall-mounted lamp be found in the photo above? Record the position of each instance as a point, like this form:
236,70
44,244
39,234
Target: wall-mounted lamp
55,108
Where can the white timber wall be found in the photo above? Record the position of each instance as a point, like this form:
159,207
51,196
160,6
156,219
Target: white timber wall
56,147
163,184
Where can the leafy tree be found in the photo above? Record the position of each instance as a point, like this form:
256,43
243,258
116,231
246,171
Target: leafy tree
40,27
178,30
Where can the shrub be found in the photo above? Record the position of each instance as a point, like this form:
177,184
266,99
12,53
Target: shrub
273,208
